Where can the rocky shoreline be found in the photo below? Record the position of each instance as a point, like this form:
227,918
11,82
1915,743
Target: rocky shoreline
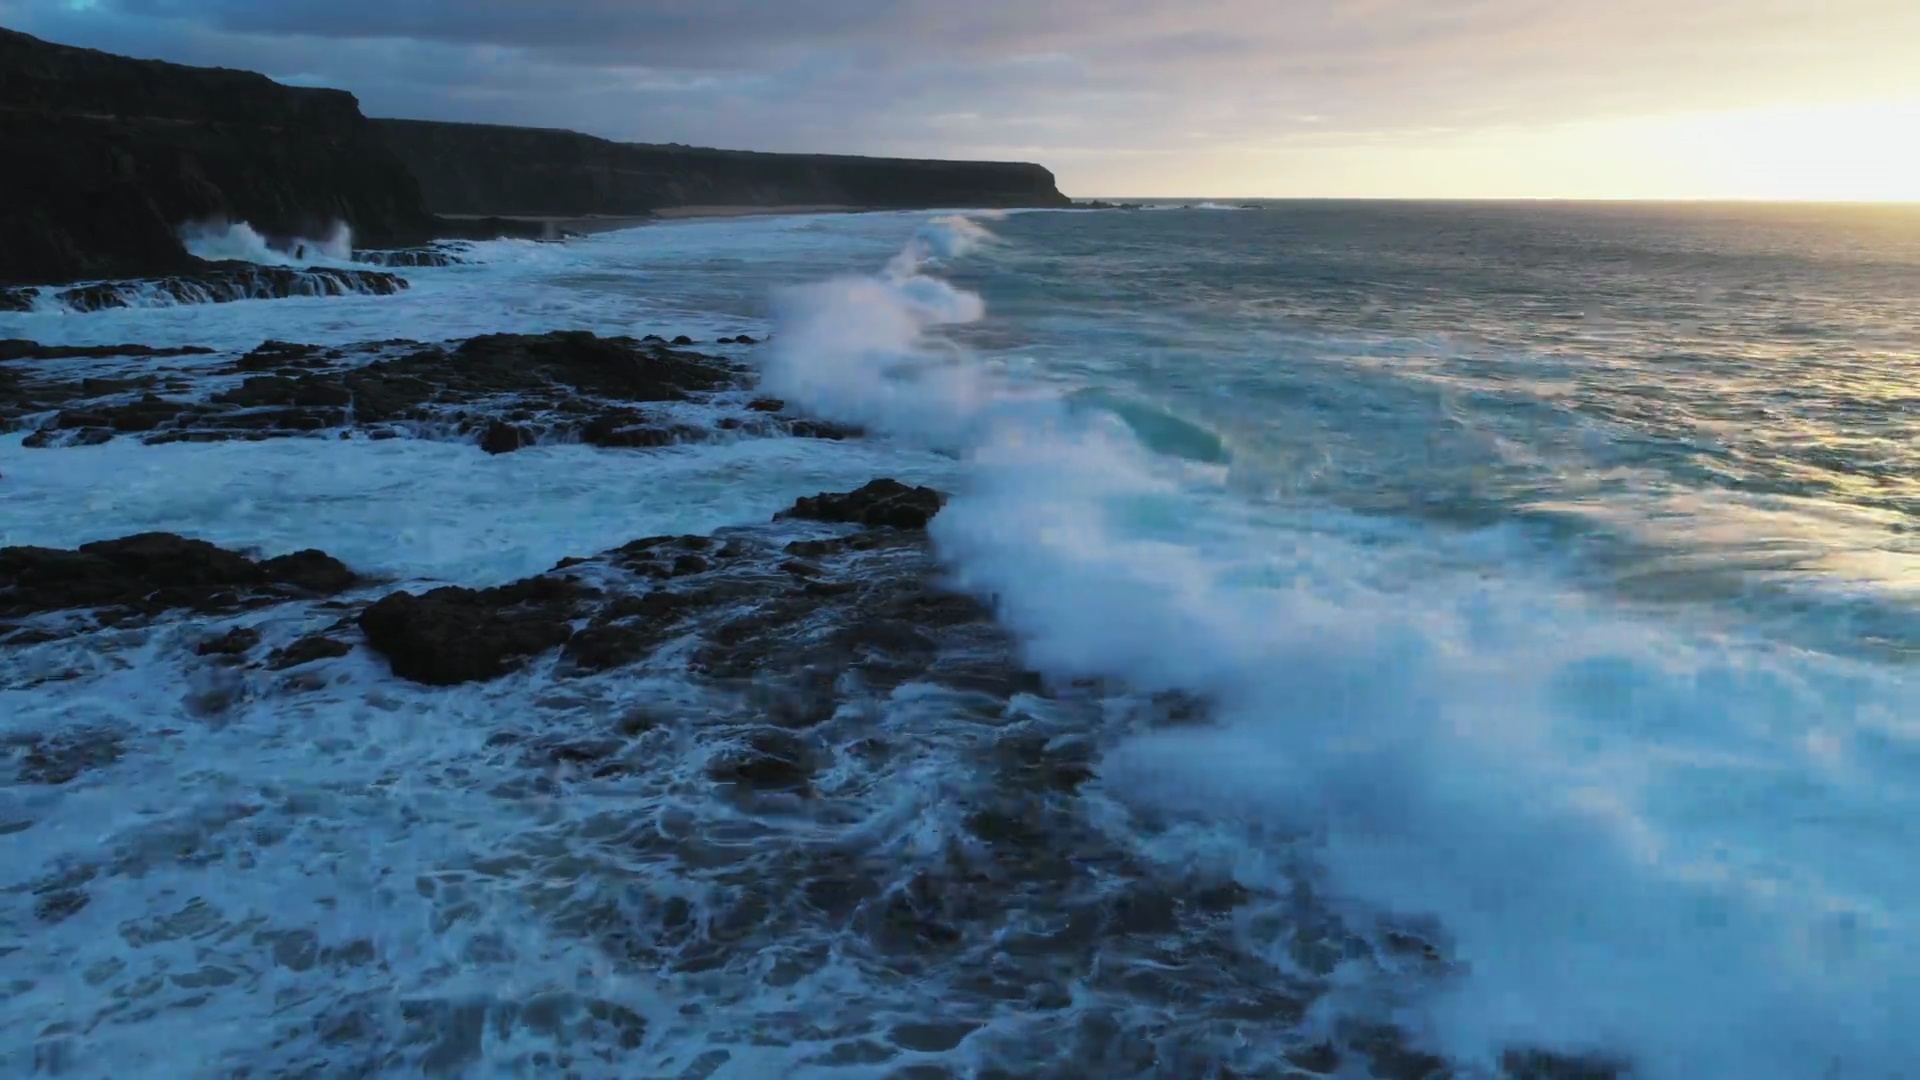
817,656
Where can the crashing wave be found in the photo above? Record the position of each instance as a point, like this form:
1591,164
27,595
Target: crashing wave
1397,755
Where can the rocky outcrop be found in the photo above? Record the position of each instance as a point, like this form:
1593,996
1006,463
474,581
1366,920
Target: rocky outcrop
149,573
501,391
486,169
882,503
108,156
220,283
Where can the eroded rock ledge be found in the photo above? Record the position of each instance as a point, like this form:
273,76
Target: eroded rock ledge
501,391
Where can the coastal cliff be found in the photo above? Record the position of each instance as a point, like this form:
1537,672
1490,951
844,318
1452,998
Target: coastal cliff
487,169
107,157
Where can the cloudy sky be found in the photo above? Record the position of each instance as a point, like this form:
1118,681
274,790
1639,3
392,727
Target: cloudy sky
1572,98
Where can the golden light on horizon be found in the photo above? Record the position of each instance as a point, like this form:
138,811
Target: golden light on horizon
1859,151
1840,152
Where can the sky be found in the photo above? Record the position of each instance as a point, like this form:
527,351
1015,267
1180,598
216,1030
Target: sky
1792,99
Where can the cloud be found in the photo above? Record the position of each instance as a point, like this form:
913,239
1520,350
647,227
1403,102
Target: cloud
1076,81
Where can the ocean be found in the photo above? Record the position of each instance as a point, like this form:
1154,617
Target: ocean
1472,630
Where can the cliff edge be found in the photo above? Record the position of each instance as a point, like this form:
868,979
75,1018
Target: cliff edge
494,170
108,156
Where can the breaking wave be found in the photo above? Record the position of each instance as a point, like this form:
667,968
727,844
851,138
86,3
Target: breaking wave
218,241
1519,777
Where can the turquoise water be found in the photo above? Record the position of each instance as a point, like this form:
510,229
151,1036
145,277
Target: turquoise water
1680,404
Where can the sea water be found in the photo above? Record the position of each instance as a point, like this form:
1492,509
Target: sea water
1550,572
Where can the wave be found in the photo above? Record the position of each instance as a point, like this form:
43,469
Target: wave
220,241
1607,826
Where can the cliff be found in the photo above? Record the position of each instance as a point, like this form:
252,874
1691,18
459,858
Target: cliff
106,157
486,169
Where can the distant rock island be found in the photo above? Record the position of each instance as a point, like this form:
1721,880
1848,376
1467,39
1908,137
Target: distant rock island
108,157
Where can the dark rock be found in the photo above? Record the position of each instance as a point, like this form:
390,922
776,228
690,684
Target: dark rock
503,438
270,355
879,504
312,570
624,428
770,761
682,340
107,157
154,572
296,390
454,635
770,405
16,349
267,390
611,367
234,643
306,651
18,300
224,282
820,429
409,257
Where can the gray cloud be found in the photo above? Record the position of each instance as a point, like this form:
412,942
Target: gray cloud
1076,82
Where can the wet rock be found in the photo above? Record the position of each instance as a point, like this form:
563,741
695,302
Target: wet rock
409,257
881,503
18,349
312,570
768,405
603,647
272,354
306,391
234,643
307,650
16,299
153,572
454,635
586,384
682,340
770,761
821,429
223,282
612,367
624,428
504,438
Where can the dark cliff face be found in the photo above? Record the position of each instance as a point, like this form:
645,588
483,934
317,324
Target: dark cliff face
495,170
107,157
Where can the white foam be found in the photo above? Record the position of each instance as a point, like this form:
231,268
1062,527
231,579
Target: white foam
417,509
1623,828
219,240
